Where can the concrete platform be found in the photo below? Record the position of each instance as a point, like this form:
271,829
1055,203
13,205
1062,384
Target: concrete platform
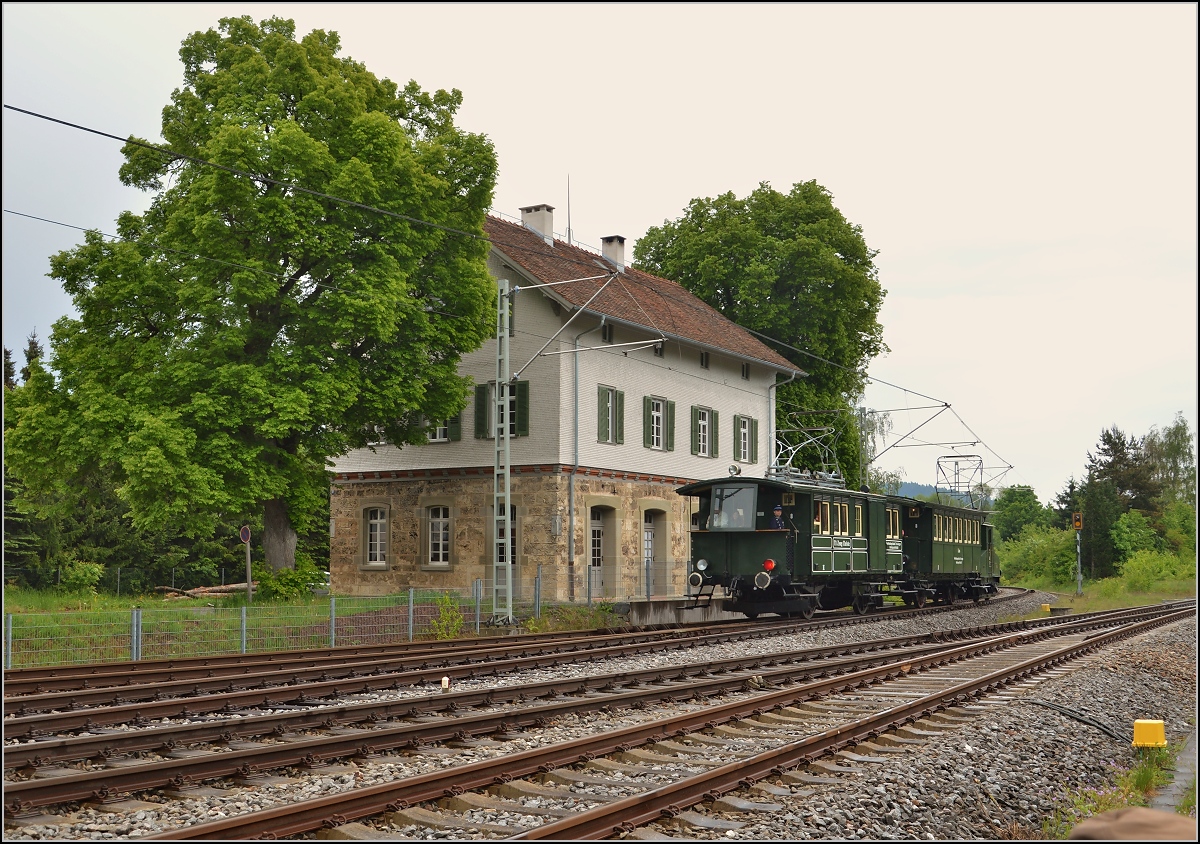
672,611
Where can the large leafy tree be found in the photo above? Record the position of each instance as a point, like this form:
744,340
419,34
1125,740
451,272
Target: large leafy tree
1172,459
245,329
1016,508
792,267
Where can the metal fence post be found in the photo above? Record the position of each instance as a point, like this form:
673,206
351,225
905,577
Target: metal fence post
243,628
8,640
135,638
537,593
477,593
332,622
412,596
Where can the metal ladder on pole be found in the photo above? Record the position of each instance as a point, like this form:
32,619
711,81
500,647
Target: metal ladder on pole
502,555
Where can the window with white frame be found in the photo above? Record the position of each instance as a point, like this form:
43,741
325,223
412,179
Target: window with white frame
704,431
376,540
446,431
505,532
745,438
610,415
514,411
439,536
658,423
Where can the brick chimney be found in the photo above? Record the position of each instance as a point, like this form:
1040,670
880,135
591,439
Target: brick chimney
613,249
539,218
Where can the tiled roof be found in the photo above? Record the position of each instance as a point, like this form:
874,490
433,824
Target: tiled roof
658,304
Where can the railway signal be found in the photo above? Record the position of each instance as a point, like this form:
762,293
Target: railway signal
1077,523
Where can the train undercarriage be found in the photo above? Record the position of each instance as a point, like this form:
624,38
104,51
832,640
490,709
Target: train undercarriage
777,595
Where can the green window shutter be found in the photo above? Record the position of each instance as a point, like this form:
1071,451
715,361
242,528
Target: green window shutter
714,425
454,423
481,412
522,408
647,428
753,440
603,399
695,430
670,424
619,418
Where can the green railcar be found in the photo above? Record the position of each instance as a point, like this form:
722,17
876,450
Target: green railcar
836,547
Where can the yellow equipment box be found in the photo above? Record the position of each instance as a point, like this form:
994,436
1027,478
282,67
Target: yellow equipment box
1149,734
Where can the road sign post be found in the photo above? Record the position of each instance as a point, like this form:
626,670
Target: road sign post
244,533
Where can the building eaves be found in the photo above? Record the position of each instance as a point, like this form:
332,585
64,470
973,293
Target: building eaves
637,298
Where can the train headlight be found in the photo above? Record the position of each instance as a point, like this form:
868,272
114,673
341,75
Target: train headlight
695,580
768,564
762,580
701,564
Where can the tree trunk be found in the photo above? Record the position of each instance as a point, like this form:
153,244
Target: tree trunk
279,537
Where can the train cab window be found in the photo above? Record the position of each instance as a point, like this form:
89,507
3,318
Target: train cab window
841,519
937,527
858,521
732,508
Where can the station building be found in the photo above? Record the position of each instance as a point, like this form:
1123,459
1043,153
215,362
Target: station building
646,389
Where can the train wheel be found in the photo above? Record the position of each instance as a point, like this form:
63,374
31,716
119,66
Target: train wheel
920,599
806,610
950,595
862,605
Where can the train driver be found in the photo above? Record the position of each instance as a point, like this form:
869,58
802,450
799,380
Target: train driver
777,519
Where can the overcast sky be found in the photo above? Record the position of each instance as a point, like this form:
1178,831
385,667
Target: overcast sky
1027,172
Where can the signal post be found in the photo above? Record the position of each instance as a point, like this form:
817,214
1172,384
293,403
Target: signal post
1077,523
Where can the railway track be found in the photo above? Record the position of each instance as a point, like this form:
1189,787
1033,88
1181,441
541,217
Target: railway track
463,717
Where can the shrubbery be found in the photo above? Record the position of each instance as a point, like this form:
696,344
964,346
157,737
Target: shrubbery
77,577
449,621
1039,553
288,584
1144,569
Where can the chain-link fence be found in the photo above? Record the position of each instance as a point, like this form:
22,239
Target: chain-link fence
159,633
152,633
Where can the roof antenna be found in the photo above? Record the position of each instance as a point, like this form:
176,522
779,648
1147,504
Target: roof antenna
568,209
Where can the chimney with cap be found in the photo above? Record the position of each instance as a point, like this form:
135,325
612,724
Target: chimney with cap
539,218
613,249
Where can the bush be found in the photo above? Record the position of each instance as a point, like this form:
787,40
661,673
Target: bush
288,584
449,621
77,577
1145,569
1039,553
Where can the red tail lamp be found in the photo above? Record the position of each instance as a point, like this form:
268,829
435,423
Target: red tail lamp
768,565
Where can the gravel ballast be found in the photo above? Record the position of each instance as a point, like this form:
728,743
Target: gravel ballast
997,776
